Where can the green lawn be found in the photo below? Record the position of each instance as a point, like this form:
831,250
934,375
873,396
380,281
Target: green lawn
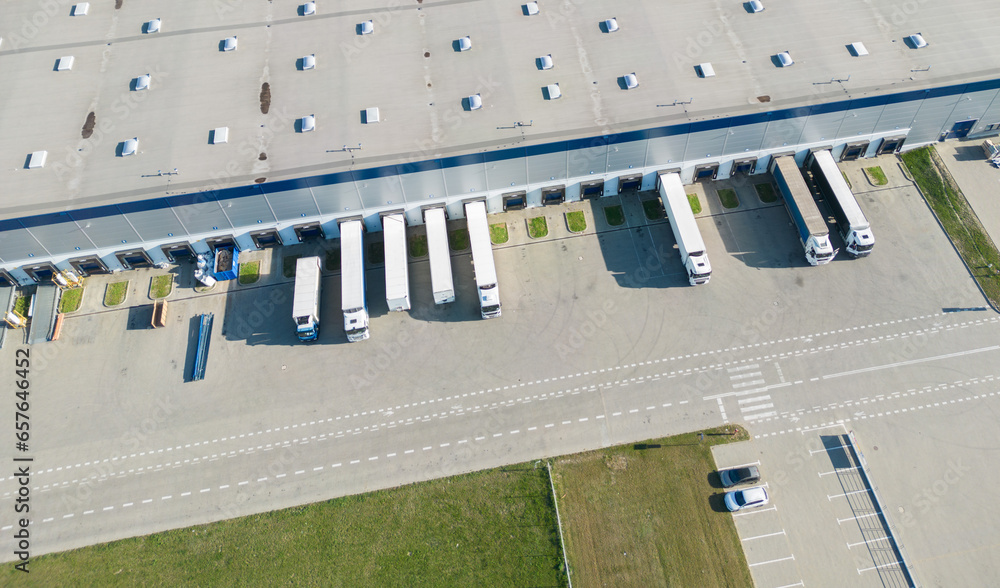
492,528
249,272
876,175
498,233
728,198
653,209
22,304
418,246
458,239
70,300
848,181
654,503
288,265
957,218
615,215
376,252
695,203
766,193
537,227
160,286
576,221
115,293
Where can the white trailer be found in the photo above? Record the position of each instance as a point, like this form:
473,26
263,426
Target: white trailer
851,222
305,300
352,280
482,259
813,233
689,241
397,275
440,257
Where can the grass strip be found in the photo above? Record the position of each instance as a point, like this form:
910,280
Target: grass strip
22,304
537,227
418,246
288,265
729,198
576,221
458,239
766,193
498,233
249,272
71,300
653,209
876,176
160,286
615,215
957,217
115,293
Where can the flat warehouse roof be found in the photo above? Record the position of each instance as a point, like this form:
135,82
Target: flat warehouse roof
410,68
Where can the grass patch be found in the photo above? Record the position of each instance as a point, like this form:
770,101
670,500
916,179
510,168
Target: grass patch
70,300
876,176
498,233
766,193
576,221
492,528
728,198
653,209
288,265
249,272
22,304
615,215
538,227
115,293
848,181
695,203
957,217
376,252
418,246
653,502
160,286
458,239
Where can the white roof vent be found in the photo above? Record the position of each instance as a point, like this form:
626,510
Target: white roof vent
308,123
530,9
631,82
220,135
309,9
142,82
545,62
366,28
705,70
81,9
229,43
130,146
464,44
371,115
152,26
784,59
754,6
475,102
858,49
553,92
610,25
65,63
309,62
917,41
37,159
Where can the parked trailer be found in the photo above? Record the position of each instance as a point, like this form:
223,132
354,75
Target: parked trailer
813,232
440,257
689,241
854,228
397,274
352,280
482,259
305,300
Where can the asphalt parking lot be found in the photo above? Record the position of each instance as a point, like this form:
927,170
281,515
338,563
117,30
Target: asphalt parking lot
601,342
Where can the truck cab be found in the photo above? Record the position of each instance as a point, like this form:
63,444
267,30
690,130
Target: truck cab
819,251
489,301
699,269
356,324
860,243
307,328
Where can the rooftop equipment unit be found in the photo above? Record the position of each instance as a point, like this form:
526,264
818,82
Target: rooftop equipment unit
465,43
367,27
785,59
545,62
309,62
37,159
475,102
153,26
220,135
229,43
65,63
142,82
858,49
917,40
130,147
309,9
631,82
553,91
755,6
308,123
531,8
371,115
611,25
81,9
705,70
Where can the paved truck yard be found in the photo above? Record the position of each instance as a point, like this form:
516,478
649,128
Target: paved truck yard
601,342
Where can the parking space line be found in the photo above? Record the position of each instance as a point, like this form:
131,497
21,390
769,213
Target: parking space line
799,583
895,563
755,511
838,470
781,532
850,545
873,514
826,449
761,563
830,498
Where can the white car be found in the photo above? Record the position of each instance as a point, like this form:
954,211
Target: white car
631,81
749,498
475,102
611,25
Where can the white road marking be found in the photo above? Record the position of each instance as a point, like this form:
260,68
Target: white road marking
781,532
911,362
761,563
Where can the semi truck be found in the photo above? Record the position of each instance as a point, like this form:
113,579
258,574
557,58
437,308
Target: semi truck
689,241
397,275
440,258
352,281
482,259
851,222
305,300
813,232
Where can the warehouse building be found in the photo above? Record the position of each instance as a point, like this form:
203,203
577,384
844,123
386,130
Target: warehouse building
148,133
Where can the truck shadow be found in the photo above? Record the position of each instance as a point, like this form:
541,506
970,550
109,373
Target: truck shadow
422,306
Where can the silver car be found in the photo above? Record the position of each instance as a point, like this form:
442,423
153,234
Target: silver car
737,476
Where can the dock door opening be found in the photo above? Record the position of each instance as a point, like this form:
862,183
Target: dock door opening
308,231
854,150
890,145
7,280
134,258
631,182
86,266
221,243
706,172
42,272
554,195
744,166
515,201
591,189
265,239
178,252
